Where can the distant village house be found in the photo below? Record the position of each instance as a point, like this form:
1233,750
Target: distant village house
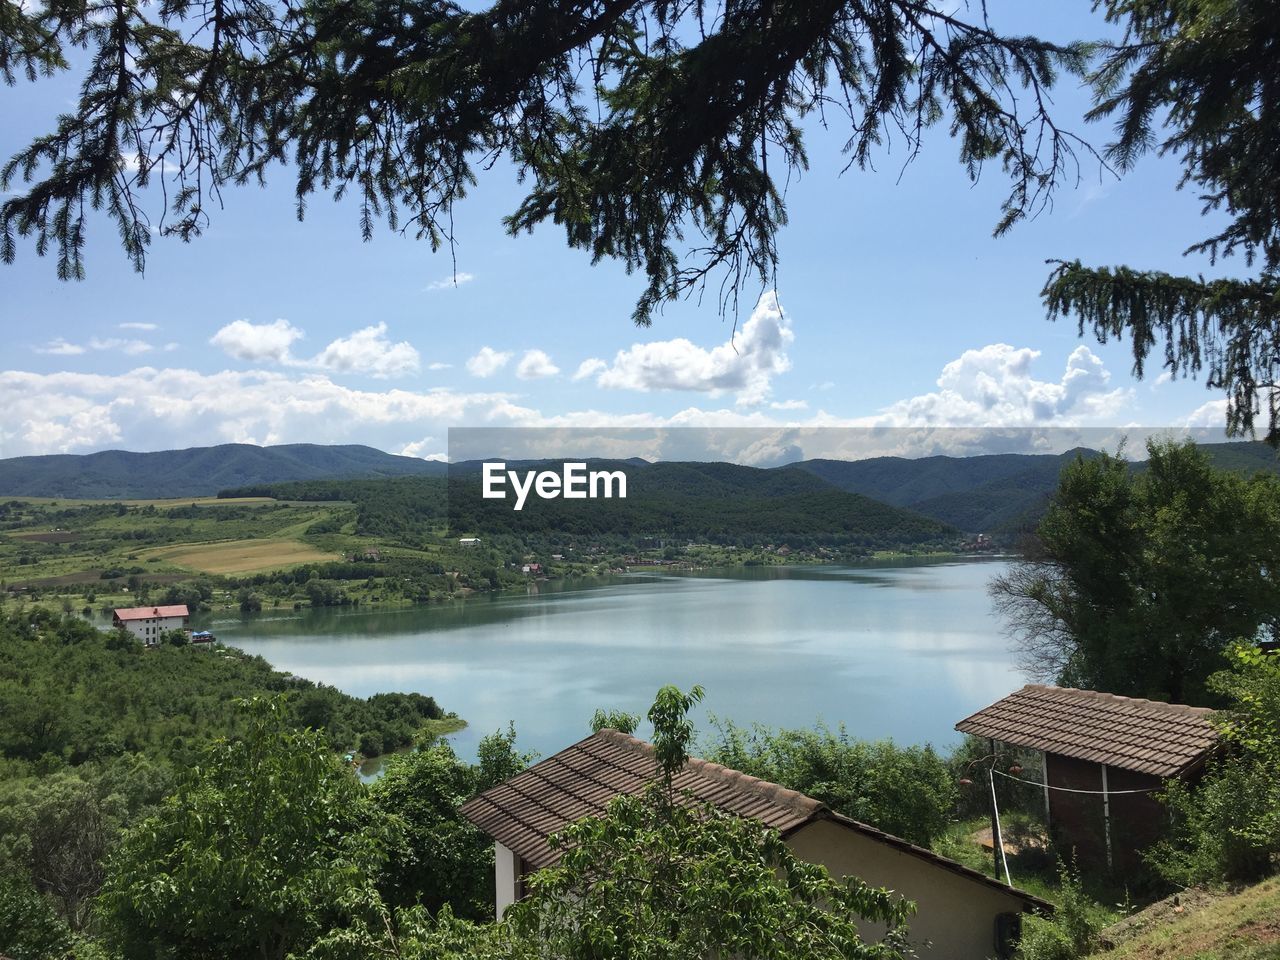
149,624
961,914
468,541
1105,759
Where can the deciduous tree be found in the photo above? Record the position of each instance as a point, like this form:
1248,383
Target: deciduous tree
1138,580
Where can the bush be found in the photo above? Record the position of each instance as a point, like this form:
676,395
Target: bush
1067,935
1227,828
907,791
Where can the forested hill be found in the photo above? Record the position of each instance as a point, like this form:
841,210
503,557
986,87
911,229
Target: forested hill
198,471
996,494
704,502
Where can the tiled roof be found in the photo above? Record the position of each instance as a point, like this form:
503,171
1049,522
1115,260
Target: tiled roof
525,811
1162,739
148,613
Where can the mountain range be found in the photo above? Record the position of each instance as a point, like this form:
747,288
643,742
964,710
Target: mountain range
998,494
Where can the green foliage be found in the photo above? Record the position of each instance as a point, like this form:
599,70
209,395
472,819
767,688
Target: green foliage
906,791
618,720
661,875
720,503
685,121
74,694
439,858
1195,80
258,848
1140,580
1227,827
1070,934
29,928
685,881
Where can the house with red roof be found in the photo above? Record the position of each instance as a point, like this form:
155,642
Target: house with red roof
149,624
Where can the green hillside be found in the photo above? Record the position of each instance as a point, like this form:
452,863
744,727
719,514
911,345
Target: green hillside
704,502
198,471
999,494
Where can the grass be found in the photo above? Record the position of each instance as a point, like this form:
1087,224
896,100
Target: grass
1033,871
239,556
434,729
1240,926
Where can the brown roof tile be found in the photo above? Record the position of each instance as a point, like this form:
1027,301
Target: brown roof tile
1162,739
579,781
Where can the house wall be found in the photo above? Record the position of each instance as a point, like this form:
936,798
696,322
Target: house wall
506,873
955,916
151,629
1078,821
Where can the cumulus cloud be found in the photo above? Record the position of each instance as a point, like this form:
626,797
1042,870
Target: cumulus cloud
257,342
789,405
488,362
151,408
589,368
456,280
744,366
439,366
992,386
368,351
419,448
535,365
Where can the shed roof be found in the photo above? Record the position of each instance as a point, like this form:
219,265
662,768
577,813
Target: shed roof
151,613
1162,739
525,811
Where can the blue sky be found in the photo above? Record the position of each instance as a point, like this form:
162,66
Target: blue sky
894,307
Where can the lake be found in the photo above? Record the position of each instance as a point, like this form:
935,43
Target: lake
901,651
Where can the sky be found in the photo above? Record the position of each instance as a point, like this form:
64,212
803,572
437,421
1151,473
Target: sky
894,307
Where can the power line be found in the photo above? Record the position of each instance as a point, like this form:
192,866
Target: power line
1096,793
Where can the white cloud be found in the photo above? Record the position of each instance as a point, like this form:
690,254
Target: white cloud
456,280
150,409
789,405
131,347
439,366
992,386
137,326
417,448
369,351
59,347
535,365
744,366
257,342
488,362
1211,414
589,368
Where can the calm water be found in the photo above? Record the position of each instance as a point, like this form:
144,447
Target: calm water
890,651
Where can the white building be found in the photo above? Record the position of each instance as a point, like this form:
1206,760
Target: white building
468,541
149,624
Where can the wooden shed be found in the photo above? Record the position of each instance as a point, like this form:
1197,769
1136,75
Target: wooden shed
1105,758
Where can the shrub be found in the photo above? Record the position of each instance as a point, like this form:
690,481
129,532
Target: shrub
1067,935
1227,828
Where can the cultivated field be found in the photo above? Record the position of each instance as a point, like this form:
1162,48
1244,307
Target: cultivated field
240,556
